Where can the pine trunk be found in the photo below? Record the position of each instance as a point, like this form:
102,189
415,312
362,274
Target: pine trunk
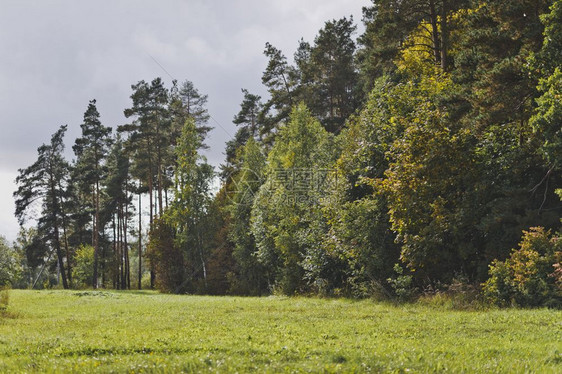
444,36
140,242
435,32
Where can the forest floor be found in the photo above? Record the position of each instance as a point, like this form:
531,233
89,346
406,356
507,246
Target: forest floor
112,331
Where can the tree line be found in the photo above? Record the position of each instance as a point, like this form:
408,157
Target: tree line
423,152
84,209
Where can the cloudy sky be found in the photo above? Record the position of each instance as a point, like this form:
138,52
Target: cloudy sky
57,55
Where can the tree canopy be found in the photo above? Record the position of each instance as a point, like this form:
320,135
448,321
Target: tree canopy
423,152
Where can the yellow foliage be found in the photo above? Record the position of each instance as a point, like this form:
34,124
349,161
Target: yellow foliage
416,55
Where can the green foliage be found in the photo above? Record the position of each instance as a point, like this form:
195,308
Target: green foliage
428,178
91,148
360,236
10,264
232,152
221,261
548,117
249,116
115,212
252,125
461,166
357,210
179,244
442,161
151,135
393,26
146,281
83,271
329,74
432,146
191,104
281,80
4,300
250,273
166,258
91,151
324,77
379,44
46,180
498,287
287,221
20,248
402,284
531,275
496,42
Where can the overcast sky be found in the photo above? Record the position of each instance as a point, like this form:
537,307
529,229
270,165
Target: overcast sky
55,56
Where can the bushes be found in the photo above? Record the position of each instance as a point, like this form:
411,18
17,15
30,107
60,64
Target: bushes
402,284
531,276
83,272
4,300
166,258
460,294
10,268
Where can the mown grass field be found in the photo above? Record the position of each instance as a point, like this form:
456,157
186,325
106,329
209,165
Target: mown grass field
65,331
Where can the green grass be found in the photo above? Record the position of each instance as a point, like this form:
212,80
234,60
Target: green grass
54,331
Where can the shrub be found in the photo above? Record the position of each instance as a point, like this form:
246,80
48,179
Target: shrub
10,268
531,275
83,272
498,288
166,258
4,300
557,274
402,284
145,281
460,294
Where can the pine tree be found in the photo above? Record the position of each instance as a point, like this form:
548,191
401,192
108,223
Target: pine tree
249,120
249,115
149,137
193,105
45,180
281,80
118,211
331,74
91,150
324,76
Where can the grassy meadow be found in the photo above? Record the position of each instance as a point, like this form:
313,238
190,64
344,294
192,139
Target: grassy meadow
112,331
